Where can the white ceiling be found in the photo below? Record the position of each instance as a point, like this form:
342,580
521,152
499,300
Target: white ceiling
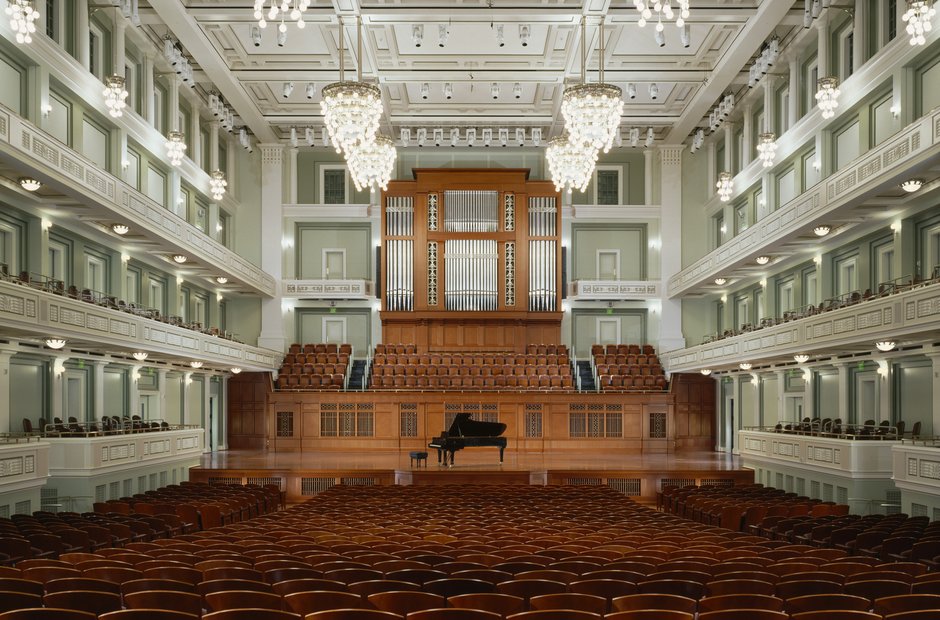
725,35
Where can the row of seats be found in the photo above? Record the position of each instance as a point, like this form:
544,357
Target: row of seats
302,359
629,371
493,551
627,368
317,348
314,369
311,382
471,359
619,383
312,366
474,383
470,371
837,428
531,349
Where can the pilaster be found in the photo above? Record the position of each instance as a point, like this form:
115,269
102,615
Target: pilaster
292,175
647,177
272,229
860,18
845,387
793,104
747,143
5,405
934,394
82,34
146,93
161,393
117,42
823,51
97,411
670,192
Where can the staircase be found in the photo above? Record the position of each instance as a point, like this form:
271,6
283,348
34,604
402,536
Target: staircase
586,376
357,375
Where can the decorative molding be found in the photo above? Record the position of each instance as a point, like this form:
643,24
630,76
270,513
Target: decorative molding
24,465
272,154
71,457
328,289
605,290
671,155
853,459
917,468
432,270
510,274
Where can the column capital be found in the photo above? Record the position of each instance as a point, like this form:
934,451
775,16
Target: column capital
271,153
671,155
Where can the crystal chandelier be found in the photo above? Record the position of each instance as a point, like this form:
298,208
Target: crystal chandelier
662,9
281,9
217,185
827,97
351,110
917,17
592,111
725,186
370,164
115,95
570,165
22,15
175,147
767,148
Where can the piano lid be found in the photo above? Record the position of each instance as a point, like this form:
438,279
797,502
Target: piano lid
464,426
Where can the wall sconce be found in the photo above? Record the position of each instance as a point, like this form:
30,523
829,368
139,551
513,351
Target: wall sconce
46,109
188,378
135,373
45,224
58,366
807,375
883,369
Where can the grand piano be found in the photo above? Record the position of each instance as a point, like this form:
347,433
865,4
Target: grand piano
466,433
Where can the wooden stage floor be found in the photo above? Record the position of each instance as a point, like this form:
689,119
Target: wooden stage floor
303,474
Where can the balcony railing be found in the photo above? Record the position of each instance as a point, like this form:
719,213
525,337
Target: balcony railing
612,290
328,289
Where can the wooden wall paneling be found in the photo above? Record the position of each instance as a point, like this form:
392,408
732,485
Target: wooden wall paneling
247,416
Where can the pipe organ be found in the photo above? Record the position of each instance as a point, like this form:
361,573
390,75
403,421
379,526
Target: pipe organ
470,255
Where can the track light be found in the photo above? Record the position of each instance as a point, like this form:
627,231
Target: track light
487,136
654,91
422,136
417,35
310,136
454,137
503,136
635,137
631,90
471,136
287,90
438,136
500,39
448,90
442,35
536,136
425,90
520,136
494,90
650,137
405,135
281,38
293,137
660,38
310,90
686,35
256,36
524,32
324,137
517,90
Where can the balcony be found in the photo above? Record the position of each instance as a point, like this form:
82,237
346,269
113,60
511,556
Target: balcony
33,313
76,457
24,463
917,467
328,289
853,458
105,197
614,290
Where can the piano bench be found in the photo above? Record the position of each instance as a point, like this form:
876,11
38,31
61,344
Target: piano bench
418,455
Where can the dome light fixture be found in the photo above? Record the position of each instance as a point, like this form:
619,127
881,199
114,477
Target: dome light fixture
801,358
180,258
221,279
196,364
725,186
762,260
30,184
885,345
140,355
706,371
236,370
912,185
744,365
721,281
120,229
55,343
822,230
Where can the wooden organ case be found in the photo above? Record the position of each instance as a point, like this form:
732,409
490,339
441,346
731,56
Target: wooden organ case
471,260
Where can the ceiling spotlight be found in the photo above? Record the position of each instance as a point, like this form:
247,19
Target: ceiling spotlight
179,258
801,358
120,229
438,136
236,370
686,35
442,35
196,364
494,90
650,137
706,371
762,260
281,38
471,136
310,136
517,90
822,230
524,32
660,38
448,90
310,90
30,184
654,91
536,136
221,279
55,343
503,136
417,35
288,89
520,136
256,36
454,137
487,136
140,355
422,136
744,365
635,137
500,40
912,185
631,90
882,345
721,281
405,135
293,137
425,90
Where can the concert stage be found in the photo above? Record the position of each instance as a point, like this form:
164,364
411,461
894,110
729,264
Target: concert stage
304,474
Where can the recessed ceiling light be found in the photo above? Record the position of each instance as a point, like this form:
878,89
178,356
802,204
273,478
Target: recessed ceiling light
221,279
706,371
885,345
30,184
55,343
721,281
140,356
762,260
822,231
121,229
912,185
744,365
801,358
179,258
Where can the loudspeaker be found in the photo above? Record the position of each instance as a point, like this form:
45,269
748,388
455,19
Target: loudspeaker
564,272
378,272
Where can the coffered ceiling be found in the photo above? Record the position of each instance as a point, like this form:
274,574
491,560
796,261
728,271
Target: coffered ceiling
723,37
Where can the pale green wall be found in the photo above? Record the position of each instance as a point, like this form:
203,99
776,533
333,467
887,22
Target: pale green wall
930,86
11,84
243,318
28,379
195,393
696,226
115,391
173,398
308,176
633,327
749,415
309,326
312,238
914,393
769,391
629,239
246,237
827,395
632,180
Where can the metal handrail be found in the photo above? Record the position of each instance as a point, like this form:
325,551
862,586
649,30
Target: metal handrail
847,431
95,429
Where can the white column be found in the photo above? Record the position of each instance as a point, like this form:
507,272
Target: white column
146,93
860,35
161,393
712,164
222,440
194,132
845,387
173,109
213,164
185,386
731,423
272,230
117,43
57,389
886,393
97,412
133,397
729,147
670,198
935,400
648,177
793,105
781,398
747,144
206,395
292,176
82,33
809,400
770,104
823,53
5,404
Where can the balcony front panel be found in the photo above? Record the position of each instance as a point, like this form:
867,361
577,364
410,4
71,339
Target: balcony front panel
24,464
85,456
844,457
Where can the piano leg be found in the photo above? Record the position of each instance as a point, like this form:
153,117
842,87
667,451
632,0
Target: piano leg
439,452
452,458
501,455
